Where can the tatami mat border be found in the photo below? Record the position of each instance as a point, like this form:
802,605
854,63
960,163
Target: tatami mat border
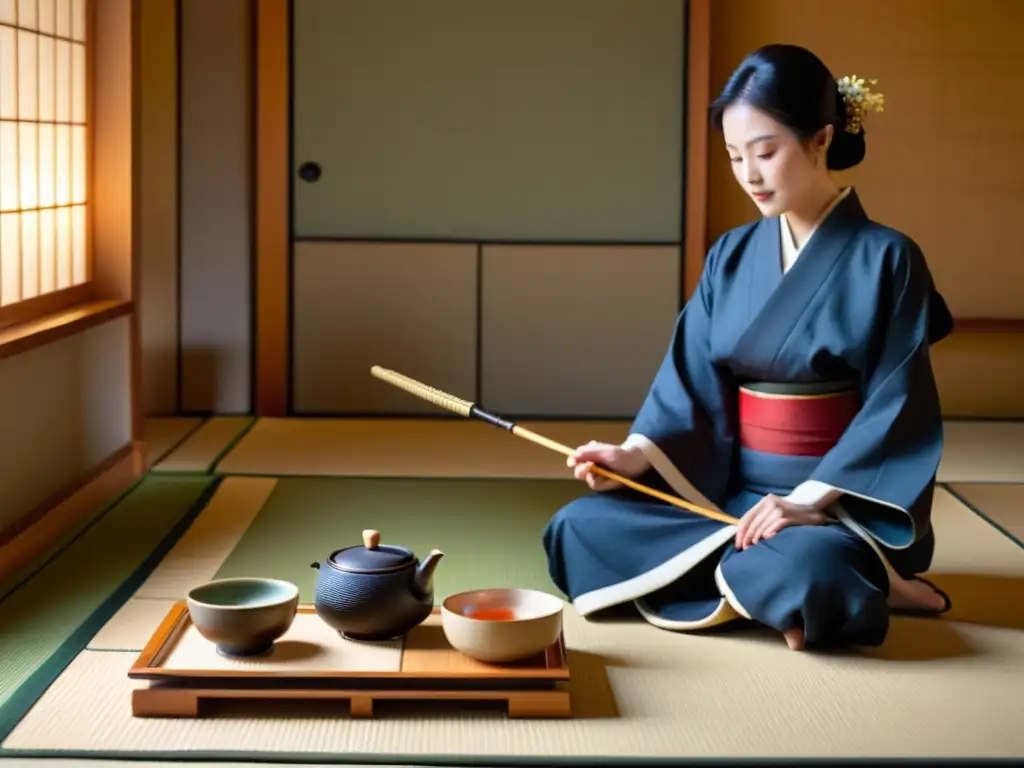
25,697
468,761
948,487
155,459
162,466
38,565
232,444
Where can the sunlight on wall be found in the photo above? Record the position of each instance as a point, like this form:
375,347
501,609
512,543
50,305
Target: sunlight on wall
43,140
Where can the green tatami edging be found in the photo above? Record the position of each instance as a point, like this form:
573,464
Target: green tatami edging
204,447
489,530
49,618
54,548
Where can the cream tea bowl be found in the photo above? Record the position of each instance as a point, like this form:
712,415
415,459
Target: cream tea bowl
243,616
501,625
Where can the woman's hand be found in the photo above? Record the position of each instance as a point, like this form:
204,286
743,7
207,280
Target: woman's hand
770,515
628,462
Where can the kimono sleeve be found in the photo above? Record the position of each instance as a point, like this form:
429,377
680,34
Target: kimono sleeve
940,322
682,426
884,465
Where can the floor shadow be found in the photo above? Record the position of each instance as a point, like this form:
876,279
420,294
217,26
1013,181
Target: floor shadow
429,710
589,687
983,600
278,709
623,613
920,639
295,650
909,639
993,601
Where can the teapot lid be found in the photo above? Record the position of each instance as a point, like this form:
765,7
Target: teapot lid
372,557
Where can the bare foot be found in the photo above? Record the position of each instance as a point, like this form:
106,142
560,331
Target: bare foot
914,594
794,638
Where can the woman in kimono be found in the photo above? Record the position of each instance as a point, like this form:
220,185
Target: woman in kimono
796,395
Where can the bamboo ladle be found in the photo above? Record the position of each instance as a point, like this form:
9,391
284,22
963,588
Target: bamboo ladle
471,411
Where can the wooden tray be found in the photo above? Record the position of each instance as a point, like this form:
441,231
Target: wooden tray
312,661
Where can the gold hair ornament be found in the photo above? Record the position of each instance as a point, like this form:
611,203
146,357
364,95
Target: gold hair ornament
860,100
471,410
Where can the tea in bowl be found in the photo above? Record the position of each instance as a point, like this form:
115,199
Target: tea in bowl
501,625
244,616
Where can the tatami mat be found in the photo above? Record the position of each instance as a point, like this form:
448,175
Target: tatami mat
982,451
489,529
162,435
200,552
407,448
1002,504
642,692
205,446
131,627
195,559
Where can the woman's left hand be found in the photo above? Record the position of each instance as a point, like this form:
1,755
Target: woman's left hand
770,515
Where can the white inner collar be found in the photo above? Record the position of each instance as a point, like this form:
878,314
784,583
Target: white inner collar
790,251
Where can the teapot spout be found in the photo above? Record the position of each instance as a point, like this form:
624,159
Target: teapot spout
425,573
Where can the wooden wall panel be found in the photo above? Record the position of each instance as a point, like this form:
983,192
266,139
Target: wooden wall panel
575,331
979,375
939,157
64,408
411,308
216,244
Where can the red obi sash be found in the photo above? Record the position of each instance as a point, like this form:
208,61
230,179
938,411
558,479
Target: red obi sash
795,420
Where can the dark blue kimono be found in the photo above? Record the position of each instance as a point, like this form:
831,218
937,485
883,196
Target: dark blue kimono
859,305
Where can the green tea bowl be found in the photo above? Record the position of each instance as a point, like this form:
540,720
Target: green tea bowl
244,616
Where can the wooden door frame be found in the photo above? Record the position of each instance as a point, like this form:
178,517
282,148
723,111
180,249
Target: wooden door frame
272,174
272,76
695,163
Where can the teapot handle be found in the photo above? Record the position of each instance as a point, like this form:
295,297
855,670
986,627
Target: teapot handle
315,565
371,538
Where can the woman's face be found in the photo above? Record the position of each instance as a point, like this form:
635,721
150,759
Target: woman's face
770,162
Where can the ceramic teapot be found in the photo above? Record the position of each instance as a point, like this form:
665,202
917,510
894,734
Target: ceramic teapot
374,592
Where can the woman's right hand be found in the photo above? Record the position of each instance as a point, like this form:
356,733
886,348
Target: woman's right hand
628,462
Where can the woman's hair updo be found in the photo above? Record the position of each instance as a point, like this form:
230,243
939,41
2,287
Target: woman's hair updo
796,88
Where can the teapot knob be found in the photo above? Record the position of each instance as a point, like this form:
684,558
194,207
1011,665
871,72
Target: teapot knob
371,538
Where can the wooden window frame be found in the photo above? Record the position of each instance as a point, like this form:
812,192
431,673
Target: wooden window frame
14,317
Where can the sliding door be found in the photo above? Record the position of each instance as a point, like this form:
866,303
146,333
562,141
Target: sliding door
486,197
